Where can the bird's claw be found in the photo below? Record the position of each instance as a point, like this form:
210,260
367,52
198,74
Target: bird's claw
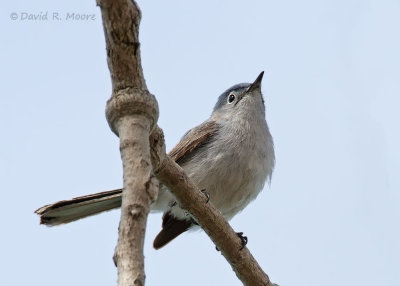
243,239
206,194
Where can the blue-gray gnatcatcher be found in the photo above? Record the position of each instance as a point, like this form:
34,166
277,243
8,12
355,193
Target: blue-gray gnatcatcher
230,156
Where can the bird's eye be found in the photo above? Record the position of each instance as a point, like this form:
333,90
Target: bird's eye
231,98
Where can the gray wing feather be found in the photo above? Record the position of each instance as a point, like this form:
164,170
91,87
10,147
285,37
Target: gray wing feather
193,139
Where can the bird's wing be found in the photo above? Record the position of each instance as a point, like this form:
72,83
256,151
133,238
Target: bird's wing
193,139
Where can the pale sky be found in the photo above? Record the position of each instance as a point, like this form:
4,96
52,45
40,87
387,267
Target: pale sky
331,85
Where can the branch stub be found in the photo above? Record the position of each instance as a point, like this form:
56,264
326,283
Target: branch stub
131,101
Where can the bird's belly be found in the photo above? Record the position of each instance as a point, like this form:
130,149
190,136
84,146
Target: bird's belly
230,189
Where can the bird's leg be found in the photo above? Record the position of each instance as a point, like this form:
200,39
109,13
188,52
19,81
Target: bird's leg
193,221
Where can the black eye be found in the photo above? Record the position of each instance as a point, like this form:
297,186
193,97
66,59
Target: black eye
231,98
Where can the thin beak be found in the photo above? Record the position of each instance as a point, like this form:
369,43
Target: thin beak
257,83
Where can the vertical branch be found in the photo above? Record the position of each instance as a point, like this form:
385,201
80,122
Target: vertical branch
132,113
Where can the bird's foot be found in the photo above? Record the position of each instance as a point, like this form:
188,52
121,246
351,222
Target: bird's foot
206,194
243,239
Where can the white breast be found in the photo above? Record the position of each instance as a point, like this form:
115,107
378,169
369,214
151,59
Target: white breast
234,174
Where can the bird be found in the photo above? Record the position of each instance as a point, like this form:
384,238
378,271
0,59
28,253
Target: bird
230,156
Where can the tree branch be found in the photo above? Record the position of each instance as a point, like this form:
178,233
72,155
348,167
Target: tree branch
131,113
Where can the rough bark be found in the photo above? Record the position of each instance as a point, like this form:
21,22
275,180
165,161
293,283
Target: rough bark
131,113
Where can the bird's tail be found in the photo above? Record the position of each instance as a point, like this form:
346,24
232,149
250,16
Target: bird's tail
80,207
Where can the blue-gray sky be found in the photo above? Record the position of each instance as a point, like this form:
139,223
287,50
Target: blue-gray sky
332,72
